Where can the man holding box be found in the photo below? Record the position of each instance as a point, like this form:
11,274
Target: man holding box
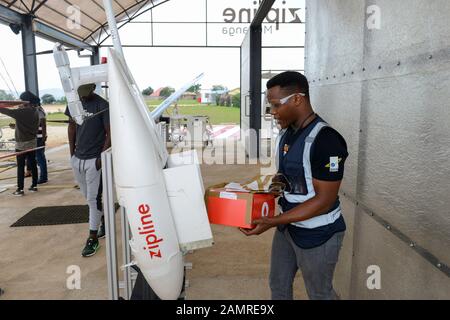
310,161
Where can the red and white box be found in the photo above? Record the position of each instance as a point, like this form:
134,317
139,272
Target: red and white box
238,208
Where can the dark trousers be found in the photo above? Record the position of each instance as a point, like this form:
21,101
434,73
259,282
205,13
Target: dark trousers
29,157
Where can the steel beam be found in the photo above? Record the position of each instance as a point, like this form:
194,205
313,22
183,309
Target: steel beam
255,83
95,57
255,70
55,35
262,12
29,56
8,16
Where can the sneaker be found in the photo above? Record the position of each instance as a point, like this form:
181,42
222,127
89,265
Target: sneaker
91,247
42,181
18,193
33,189
101,233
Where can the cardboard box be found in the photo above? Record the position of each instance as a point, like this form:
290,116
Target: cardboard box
238,208
185,191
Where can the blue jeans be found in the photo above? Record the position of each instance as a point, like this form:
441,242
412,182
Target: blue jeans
41,160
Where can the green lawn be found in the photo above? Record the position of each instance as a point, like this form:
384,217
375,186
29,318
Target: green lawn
5,122
217,114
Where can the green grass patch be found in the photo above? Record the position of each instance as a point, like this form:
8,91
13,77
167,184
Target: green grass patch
5,122
56,116
216,114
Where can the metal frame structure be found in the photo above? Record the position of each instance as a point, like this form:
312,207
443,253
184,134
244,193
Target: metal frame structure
255,33
30,27
114,284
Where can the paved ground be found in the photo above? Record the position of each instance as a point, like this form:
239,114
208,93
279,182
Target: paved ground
34,260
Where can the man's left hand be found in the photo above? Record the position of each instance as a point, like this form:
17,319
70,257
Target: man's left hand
262,225
98,164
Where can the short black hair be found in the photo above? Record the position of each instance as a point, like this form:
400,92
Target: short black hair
31,98
290,80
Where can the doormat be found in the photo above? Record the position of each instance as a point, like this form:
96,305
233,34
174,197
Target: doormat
47,216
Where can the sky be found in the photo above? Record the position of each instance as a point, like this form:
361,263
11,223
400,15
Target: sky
162,66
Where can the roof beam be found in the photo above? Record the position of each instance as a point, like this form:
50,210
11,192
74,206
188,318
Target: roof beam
39,6
56,35
11,3
8,16
262,12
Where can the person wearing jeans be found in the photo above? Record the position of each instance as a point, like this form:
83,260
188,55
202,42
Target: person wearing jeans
40,153
310,159
41,140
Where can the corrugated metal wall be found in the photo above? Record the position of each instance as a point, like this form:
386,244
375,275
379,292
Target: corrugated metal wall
387,90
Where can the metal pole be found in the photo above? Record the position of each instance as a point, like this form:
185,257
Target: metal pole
109,212
113,26
95,57
126,253
255,87
29,57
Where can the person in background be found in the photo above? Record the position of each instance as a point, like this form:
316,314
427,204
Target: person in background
87,142
41,141
40,153
26,128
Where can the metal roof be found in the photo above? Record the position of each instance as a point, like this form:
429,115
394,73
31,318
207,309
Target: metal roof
83,20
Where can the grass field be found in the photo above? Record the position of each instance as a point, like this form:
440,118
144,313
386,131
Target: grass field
217,114
4,122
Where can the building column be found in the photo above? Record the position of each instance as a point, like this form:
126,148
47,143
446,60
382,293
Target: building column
29,56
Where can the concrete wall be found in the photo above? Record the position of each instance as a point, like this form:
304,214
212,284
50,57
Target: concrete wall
387,90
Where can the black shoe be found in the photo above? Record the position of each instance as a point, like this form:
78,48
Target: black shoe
101,231
18,193
42,181
91,247
33,189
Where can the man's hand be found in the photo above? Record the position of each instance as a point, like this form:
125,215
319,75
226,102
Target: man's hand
275,191
262,225
98,164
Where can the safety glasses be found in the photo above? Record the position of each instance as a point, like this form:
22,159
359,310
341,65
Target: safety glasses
284,100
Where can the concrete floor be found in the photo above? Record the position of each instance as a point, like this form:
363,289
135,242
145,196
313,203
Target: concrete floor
34,260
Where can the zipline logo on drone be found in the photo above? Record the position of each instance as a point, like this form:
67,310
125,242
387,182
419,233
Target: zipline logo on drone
246,15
